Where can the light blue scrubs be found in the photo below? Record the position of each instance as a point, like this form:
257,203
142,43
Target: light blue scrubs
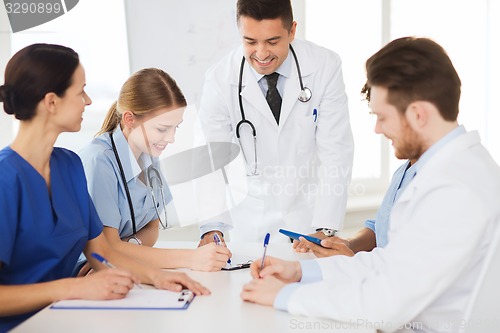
42,233
106,187
380,225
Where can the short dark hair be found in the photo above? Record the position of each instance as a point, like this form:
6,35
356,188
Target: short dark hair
414,69
33,72
266,10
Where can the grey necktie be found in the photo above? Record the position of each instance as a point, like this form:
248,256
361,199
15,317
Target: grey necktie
273,97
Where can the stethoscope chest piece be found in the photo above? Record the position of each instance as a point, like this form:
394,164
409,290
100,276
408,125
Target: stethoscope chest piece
305,95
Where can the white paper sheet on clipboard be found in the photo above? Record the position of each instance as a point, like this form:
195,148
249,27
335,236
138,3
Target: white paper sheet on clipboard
137,299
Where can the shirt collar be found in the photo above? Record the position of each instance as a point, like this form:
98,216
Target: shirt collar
131,167
456,132
284,69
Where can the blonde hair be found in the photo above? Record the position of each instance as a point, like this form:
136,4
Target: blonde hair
143,93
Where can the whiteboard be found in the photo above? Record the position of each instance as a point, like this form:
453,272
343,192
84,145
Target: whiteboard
184,38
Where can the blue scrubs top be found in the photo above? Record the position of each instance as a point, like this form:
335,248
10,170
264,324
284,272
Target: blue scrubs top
106,187
42,233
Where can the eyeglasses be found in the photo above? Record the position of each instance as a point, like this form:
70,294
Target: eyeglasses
156,185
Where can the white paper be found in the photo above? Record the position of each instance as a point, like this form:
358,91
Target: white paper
136,299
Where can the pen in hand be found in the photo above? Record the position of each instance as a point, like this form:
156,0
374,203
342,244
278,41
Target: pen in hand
266,242
217,242
102,260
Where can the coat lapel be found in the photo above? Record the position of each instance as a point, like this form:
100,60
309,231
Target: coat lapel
292,86
253,98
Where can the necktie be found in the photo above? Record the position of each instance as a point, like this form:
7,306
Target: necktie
273,97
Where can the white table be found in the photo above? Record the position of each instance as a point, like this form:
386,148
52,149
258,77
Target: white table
222,311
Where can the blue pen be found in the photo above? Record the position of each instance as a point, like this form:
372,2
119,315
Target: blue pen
315,115
217,242
266,242
102,260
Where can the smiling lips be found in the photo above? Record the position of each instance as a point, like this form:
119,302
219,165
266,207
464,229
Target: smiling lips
159,146
263,63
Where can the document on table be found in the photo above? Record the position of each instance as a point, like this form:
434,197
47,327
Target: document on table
137,299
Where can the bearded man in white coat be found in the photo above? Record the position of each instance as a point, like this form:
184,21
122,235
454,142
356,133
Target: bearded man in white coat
441,226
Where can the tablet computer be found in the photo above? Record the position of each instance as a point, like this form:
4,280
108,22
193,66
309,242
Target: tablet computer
296,236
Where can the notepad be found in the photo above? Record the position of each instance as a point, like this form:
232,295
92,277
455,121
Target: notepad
137,299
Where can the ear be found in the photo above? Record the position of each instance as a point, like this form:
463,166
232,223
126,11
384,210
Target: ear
50,102
128,119
417,114
291,34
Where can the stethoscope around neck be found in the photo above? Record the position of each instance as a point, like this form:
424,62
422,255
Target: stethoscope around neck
304,96
153,176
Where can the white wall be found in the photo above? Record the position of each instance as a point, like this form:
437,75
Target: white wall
5,119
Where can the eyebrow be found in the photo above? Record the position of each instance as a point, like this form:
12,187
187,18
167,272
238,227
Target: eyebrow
267,40
171,125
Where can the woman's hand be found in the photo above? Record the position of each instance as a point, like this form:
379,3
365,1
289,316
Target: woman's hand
103,285
210,258
176,281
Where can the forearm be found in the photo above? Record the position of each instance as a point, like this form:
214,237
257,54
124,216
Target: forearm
130,261
364,240
19,299
149,233
159,258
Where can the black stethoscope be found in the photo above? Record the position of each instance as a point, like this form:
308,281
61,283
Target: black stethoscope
304,96
153,177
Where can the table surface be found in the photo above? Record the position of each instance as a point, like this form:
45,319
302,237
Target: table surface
222,311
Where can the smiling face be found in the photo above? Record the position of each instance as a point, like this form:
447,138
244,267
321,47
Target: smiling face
71,105
394,126
265,43
152,134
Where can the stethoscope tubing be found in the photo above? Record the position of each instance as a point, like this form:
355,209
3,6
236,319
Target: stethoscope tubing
124,180
305,96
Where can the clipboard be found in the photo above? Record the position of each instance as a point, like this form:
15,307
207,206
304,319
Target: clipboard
235,267
238,262
137,299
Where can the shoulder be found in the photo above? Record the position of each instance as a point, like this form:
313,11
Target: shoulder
9,166
308,48
311,54
66,157
98,152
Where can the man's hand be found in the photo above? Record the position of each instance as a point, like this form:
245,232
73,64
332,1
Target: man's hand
299,245
286,271
208,238
262,291
330,246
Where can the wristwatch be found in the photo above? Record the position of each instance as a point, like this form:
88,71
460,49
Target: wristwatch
327,232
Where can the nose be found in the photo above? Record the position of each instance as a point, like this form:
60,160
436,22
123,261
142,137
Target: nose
87,99
261,51
170,135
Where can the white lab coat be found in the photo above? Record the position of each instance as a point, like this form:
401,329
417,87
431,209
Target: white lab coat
440,230
283,196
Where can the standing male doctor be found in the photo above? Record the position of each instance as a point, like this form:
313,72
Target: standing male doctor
291,94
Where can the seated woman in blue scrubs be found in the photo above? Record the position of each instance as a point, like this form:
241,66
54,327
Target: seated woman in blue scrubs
121,165
46,215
